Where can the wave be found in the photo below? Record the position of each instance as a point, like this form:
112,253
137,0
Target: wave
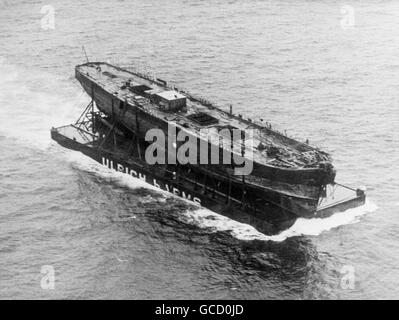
302,227
33,101
204,218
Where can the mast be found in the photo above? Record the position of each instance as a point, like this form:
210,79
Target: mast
84,50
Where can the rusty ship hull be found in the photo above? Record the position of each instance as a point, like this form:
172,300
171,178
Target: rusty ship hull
179,181
294,188
119,150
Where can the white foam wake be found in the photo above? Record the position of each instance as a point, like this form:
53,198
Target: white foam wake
33,101
85,163
311,227
205,218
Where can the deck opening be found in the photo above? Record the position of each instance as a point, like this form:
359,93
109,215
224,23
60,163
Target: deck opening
109,74
139,89
203,119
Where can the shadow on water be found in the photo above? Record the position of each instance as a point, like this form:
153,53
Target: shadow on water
259,264
252,267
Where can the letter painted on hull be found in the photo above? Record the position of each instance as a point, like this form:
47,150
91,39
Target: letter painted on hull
125,169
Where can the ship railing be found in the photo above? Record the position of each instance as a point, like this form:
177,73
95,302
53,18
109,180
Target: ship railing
146,75
346,187
208,103
235,146
262,125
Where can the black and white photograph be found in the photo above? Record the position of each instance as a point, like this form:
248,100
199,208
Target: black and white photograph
192,150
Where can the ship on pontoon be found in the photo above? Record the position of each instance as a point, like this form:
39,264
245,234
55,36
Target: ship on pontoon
288,178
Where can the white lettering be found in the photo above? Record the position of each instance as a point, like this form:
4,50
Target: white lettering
188,196
187,152
120,168
165,310
156,184
133,173
155,153
171,144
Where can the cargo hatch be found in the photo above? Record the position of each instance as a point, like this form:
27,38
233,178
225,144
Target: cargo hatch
203,119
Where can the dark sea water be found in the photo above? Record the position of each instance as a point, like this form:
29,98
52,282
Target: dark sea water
109,236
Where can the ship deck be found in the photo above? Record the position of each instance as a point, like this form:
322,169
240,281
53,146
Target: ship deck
293,154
